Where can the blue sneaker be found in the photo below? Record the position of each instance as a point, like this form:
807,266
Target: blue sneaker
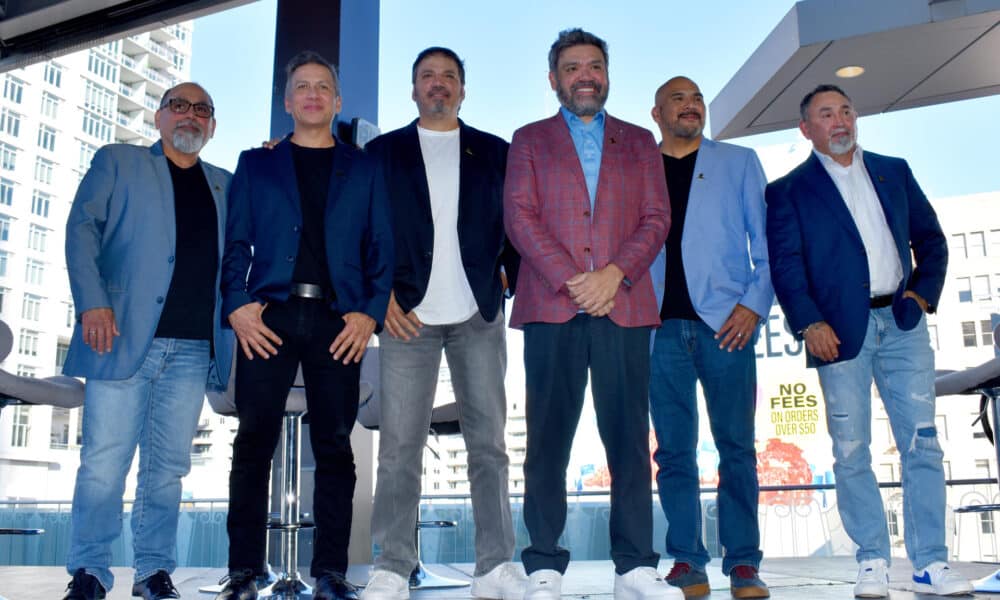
938,578
744,582
693,582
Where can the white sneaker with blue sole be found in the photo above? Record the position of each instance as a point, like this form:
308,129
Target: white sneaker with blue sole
938,578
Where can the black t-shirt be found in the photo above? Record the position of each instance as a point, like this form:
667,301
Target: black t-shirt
313,168
190,304
676,297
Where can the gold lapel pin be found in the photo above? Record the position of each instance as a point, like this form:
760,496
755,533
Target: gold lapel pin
701,175
469,151
881,179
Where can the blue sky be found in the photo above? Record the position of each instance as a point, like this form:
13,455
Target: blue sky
504,45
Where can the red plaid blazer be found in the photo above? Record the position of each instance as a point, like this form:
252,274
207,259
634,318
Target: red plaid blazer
547,217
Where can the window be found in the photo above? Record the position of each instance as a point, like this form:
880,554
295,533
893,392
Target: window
62,350
977,244
957,247
50,106
31,307
53,74
13,89
8,157
102,67
43,170
34,272
981,287
97,127
969,334
995,242
100,99
932,331
40,205
10,122
982,466
36,237
987,332
28,343
22,427
70,314
986,523
46,137
4,228
964,285
86,155
26,371
893,518
6,192
3,263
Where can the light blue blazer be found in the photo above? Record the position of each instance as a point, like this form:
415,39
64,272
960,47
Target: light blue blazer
121,236
723,245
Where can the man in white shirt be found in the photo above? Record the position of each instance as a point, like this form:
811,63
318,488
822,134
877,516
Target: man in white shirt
857,257
444,183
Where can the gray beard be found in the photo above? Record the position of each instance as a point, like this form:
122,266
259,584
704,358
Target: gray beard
188,142
842,147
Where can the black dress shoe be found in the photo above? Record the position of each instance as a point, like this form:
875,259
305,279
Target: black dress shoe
84,586
333,586
239,585
156,587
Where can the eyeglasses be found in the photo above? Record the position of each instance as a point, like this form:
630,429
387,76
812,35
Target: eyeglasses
181,106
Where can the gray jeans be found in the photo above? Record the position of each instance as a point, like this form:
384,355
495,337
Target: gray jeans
477,357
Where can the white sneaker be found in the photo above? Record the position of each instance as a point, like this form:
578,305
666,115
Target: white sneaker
644,583
386,585
505,582
873,579
938,578
545,584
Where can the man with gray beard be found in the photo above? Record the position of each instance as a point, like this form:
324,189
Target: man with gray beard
143,242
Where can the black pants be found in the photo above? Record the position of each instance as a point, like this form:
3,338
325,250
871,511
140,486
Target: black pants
307,328
556,360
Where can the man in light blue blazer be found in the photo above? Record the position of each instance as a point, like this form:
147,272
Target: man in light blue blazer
144,242
714,287
858,257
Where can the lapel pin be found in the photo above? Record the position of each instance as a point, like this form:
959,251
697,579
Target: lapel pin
469,151
881,179
218,188
613,140
701,175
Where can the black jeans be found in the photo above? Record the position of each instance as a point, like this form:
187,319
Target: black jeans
307,328
557,358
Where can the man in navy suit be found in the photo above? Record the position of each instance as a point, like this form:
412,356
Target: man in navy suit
841,230
143,245
444,183
714,286
306,277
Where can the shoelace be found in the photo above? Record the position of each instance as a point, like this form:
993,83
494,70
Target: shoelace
745,572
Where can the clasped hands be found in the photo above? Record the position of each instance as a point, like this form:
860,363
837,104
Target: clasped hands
594,291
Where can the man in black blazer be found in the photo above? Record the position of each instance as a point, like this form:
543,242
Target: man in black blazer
443,182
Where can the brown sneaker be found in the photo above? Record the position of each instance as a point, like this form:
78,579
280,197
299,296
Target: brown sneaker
693,582
745,583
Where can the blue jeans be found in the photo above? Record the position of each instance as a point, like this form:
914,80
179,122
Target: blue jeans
685,352
157,410
902,364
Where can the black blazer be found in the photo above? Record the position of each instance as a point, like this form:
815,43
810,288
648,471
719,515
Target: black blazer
400,177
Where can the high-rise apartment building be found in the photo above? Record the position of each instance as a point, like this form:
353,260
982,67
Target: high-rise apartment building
53,117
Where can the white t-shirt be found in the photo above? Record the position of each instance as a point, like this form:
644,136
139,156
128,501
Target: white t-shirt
449,298
885,270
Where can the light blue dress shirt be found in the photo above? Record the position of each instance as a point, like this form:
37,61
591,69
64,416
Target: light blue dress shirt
588,138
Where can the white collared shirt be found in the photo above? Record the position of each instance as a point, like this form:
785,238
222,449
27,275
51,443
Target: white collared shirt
855,186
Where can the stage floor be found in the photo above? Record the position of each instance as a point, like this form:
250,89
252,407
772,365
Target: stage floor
788,578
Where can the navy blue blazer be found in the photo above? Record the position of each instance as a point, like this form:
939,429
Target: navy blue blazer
401,183
265,223
818,264
121,236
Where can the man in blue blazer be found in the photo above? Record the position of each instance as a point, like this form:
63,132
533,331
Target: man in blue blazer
857,258
306,277
444,183
714,287
143,245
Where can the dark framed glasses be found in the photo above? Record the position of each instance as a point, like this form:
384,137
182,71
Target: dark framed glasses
181,106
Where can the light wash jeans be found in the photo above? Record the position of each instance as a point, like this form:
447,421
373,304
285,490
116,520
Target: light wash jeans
685,352
157,410
477,358
902,364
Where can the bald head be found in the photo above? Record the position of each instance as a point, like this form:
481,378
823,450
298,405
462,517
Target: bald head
679,109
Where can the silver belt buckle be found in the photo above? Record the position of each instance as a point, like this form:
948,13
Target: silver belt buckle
307,290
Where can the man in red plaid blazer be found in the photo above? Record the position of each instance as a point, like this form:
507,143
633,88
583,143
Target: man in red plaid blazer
585,203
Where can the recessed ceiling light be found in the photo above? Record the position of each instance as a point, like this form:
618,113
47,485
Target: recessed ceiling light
849,71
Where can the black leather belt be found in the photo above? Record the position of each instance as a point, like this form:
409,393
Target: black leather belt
881,301
308,290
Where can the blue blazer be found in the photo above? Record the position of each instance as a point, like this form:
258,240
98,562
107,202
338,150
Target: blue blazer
401,182
818,261
723,245
265,222
120,241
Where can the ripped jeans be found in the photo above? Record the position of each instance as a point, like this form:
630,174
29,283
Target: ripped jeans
902,365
